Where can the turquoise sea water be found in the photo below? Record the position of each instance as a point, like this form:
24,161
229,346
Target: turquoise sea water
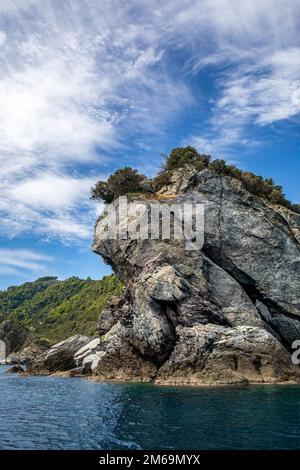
57,413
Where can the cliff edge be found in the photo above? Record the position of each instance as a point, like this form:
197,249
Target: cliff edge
224,314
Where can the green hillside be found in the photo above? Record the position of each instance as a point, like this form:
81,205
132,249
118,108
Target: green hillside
56,309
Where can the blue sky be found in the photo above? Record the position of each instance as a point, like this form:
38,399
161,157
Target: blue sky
89,86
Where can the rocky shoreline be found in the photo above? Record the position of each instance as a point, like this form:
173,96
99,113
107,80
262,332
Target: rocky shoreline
223,315
226,314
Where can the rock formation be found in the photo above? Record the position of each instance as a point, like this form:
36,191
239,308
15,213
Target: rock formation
225,314
59,357
18,345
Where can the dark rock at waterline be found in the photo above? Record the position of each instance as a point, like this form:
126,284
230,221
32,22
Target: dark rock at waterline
16,369
227,313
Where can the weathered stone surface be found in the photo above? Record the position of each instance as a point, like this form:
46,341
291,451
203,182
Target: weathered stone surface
60,357
32,350
121,361
208,355
13,335
86,351
225,314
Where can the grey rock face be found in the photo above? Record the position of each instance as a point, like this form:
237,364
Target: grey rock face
60,357
227,313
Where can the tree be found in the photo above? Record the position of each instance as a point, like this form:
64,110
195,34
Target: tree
180,156
127,180
123,181
219,166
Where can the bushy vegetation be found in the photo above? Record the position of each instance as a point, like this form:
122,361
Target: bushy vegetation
180,156
16,295
127,180
264,188
123,181
55,309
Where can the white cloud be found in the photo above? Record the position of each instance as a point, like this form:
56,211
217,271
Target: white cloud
220,144
48,106
20,262
68,228
80,77
50,204
255,49
267,91
75,79
51,191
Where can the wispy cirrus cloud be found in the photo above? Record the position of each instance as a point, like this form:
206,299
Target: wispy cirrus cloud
255,54
82,79
22,262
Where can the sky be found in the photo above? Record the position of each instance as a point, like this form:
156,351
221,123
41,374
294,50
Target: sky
87,86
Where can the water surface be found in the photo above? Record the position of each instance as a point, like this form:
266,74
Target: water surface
58,413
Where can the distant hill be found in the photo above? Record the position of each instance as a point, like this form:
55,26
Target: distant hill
56,309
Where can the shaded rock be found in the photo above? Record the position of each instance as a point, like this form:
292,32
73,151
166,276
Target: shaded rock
12,359
33,348
147,185
121,361
114,310
59,357
16,369
77,372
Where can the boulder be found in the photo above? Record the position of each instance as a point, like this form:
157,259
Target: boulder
59,357
33,348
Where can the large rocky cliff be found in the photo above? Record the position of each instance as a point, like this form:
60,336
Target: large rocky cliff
227,313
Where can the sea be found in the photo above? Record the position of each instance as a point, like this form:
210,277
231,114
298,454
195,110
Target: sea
73,413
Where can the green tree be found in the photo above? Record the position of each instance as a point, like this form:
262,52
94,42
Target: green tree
218,166
123,181
180,156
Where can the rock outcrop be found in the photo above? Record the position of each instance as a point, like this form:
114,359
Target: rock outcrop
86,355
225,314
33,348
59,357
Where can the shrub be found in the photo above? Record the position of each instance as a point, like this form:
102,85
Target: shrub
180,156
264,188
123,181
128,180
219,166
